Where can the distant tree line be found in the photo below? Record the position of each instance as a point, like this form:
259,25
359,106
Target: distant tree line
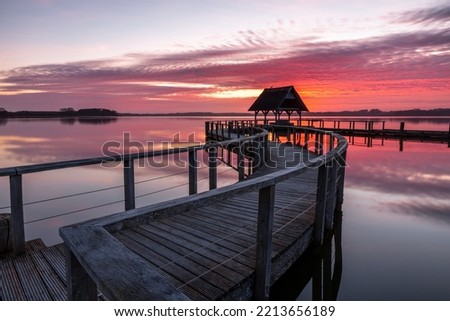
63,112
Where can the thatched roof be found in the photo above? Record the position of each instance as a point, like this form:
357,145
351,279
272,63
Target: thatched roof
279,99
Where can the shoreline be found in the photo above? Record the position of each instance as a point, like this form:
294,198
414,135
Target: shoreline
440,113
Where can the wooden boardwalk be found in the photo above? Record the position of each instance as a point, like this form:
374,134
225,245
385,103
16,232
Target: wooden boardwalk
208,253
203,252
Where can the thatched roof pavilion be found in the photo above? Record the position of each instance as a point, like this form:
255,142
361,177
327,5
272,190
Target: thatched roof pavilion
278,100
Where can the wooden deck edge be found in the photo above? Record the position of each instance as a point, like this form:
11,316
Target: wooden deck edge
280,264
118,273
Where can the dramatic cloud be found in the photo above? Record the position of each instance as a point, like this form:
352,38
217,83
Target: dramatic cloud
438,14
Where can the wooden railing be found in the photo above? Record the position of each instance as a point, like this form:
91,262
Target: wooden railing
16,173
86,255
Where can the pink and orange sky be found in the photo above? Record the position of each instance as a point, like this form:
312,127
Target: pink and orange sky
212,55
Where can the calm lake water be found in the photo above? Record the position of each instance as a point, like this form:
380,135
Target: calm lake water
396,214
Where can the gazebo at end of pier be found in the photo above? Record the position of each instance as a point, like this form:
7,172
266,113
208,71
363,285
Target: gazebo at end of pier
278,100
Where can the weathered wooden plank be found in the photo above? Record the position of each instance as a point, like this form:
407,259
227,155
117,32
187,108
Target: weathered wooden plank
204,255
230,272
249,229
213,238
56,260
11,286
216,251
105,266
185,261
190,292
34,245
217,256
186,266
55,287
207,224
176,276
225,213
31,281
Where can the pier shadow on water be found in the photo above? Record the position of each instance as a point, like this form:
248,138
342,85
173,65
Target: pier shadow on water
316,275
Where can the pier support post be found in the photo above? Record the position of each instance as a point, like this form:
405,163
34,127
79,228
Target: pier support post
321,198
207,131
17,222
128,180
317,275
341,178
263,269
80,286
192,171
402,130
212,162
330,196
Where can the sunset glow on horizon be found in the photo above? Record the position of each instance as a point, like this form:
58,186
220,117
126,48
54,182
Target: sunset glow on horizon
217,56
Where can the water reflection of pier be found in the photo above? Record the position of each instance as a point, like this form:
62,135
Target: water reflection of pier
376,129
318,270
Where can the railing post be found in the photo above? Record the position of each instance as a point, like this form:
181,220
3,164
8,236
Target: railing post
402,132
265,150
192,171
321,142
217,130
18,229
321,198
316,143
212,162
256,151
240,161
330,148
128,180
263,269
207,129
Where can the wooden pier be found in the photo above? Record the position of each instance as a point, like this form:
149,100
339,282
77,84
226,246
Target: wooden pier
377,129
230,243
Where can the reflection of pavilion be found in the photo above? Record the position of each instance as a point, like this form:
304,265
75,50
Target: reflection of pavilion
316,266
278,100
